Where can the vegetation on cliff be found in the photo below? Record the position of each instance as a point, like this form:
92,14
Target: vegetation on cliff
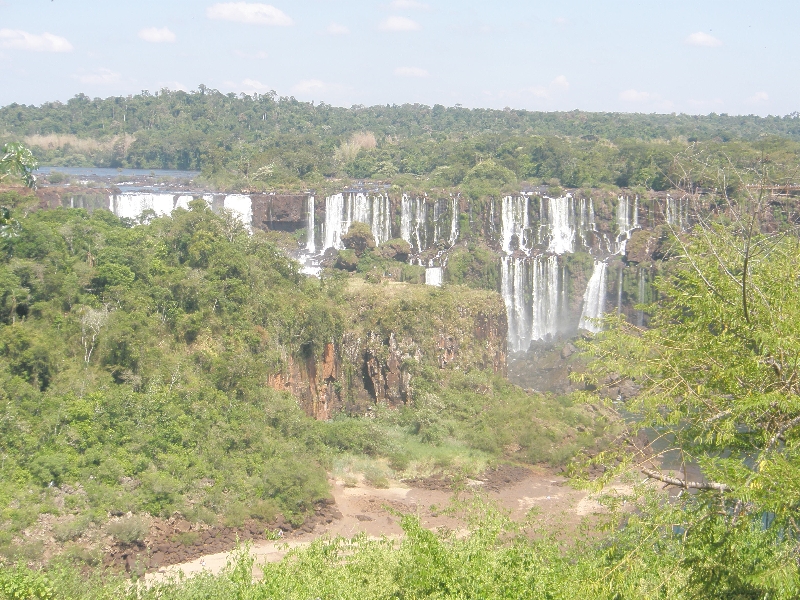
134,363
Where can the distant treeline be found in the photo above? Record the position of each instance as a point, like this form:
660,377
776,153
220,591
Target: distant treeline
264,140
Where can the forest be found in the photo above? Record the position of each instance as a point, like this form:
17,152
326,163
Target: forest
264,142
151,367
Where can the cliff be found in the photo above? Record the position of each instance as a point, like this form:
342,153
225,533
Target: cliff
393,332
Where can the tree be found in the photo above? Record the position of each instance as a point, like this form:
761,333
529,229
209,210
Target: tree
18,161
718,370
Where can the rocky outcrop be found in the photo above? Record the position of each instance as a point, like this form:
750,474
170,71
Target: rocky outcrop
393,332
279,212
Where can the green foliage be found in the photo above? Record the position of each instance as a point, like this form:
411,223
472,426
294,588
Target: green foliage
267,142
129,530
474,266
717,366
492,557
17,161
21,583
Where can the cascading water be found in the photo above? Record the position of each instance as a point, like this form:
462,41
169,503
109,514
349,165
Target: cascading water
334,213
677,213
642,296
413,215
241,206
531,292
433,276
513,278
437,218
381,218
454,221
514,222
544,309
586,221
132,205
625,226
561,221
594,299
341,212
183,202
310,246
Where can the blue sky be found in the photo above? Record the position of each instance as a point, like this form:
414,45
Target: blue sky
732,56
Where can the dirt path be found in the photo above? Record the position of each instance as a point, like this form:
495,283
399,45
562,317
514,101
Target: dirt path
371,511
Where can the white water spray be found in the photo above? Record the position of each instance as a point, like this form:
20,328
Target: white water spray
594,299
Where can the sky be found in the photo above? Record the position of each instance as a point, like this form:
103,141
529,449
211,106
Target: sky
697,57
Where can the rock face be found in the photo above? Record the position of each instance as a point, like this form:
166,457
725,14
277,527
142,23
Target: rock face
279,212
394,331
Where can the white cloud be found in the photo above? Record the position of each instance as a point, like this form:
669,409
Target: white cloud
157,35
559,84
173,85
257,55
253,85
409,5
100,77
336,29
702,39
309,86
561,21
399,24
635,96
22,40
759,97
245,12
410,72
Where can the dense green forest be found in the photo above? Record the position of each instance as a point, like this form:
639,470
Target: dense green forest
136,379
263,141
134,359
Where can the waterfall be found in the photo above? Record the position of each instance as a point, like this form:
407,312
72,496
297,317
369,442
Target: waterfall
677,213
437,226
413,217
183,202
531,292
406,217
381,219
619,289
561,220
624,226
517,309
433,276
514,222
454,221
310,247
241,206
132,205
334,212
341,212
594,299
544,322
586,221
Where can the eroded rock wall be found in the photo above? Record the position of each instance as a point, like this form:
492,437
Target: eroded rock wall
393,332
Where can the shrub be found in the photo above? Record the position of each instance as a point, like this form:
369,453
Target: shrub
21,583
70,530
129,530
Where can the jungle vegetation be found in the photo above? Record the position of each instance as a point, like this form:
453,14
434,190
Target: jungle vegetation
268,142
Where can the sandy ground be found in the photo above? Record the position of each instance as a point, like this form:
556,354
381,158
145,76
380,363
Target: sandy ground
372,511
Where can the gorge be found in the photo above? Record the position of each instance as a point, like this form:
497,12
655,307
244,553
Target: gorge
562,259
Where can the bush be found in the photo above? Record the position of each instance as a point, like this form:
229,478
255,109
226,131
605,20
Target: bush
70,530
129,530
22,583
